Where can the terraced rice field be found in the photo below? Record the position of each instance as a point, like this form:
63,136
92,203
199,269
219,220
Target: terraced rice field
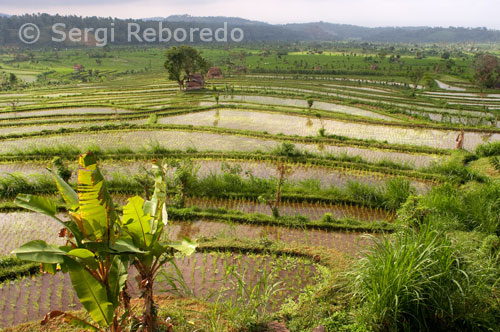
395,136
274,124
313,211
17,228
203,141
325,176
15,115
303,103
202,274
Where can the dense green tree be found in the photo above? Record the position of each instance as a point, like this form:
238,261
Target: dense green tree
183,61
416,76
486,70
445,55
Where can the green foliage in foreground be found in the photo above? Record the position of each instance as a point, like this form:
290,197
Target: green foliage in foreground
451,208
101,246
440,271
488,149
455,171
418,281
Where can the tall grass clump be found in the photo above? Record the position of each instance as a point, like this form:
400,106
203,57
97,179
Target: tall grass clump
454,169
396,192
488,149
251,309
391,195
364,193
465,209
417,281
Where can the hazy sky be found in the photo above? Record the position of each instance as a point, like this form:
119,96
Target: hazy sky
468,13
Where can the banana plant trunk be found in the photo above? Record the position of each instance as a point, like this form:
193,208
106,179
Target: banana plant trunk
149,316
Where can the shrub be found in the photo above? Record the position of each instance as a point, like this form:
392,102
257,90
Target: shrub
412,213
61,169
287,149
153,119
327,217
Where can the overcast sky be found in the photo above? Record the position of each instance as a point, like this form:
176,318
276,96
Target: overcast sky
467,13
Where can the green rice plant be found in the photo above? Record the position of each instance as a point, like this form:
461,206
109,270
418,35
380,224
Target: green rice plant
12,268
215,319
63,151
13,184
176,282
251,308
417,281
364,193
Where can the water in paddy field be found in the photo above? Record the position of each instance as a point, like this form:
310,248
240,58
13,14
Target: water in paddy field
60,111
313,211
445,86
18,228
273,123
350,243
318,105
204,275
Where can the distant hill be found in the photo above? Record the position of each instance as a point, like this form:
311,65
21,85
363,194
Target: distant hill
205,19
328,31
254,31
4,15
318,31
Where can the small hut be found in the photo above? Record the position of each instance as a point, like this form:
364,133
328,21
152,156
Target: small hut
195,82
78,68
214,72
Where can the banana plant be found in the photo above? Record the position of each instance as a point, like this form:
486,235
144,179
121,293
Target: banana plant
102,245
143,223
96,256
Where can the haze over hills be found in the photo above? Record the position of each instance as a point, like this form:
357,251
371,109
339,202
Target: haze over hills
254,31
332,31
205,19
